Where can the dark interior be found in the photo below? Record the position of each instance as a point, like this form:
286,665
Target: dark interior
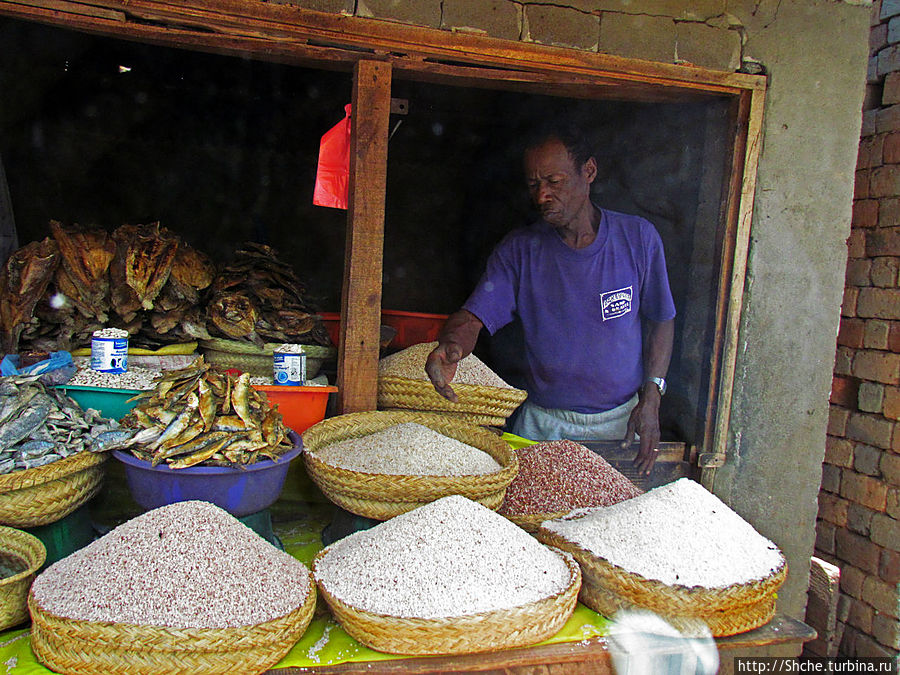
102,132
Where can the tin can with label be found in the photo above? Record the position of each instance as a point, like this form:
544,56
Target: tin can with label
109,351
289,365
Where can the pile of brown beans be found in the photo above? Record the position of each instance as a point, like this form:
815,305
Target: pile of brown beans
559,476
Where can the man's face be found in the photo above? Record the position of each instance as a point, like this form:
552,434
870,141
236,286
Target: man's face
559,188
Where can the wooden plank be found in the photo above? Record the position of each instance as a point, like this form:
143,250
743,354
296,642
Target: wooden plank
75,8
357,374
573,658
672,462
715,455
362,38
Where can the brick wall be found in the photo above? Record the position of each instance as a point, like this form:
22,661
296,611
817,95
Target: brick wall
858,525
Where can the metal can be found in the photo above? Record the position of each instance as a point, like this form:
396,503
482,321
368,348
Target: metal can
109,351
289,365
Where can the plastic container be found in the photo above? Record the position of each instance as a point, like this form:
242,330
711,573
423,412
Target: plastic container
240,491
65,536
412,327
112,403
300,407
405,328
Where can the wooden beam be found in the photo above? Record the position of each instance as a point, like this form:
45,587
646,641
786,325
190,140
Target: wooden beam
357,376
260,27
739,216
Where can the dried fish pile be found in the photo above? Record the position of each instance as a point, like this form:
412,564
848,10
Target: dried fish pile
259,299
40,425
200,415
141,278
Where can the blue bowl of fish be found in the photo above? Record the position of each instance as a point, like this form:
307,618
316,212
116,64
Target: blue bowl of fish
240,491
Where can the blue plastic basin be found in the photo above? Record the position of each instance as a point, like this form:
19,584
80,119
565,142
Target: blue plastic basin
240,491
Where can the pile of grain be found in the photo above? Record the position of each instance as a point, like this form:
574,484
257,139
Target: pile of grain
677,534
559,476
410,363
450,558
408,449
189,564
134,378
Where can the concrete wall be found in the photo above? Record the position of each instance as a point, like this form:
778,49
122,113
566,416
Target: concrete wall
815,54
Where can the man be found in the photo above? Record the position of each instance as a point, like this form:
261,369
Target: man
582,280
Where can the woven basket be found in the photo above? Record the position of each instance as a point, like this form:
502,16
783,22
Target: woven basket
383,496
14,589
729,610
95,648
48,493
257,361
531,522
495,402
486,631
463,418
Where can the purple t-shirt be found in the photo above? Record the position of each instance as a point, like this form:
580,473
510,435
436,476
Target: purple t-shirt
580,309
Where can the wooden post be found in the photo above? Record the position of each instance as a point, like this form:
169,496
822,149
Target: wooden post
357,375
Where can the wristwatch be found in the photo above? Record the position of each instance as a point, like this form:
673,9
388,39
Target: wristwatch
660,384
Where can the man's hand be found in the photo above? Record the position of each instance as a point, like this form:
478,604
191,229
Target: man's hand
456,342
440,366
644,420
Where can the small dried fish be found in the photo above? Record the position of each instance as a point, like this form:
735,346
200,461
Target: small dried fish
190,415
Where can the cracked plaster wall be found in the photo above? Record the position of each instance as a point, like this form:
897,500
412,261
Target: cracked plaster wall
815,55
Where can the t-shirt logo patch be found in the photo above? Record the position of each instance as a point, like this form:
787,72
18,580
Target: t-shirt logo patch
615,303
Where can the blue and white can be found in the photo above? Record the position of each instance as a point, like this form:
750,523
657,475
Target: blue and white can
109,350
289,365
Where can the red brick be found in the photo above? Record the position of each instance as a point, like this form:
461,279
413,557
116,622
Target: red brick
824,537
861,184
894,338
871,151
843,360
888,118
888,212
839,451
892,508
889,567
833,509
884,181
852,579
876,334
878,303
885,531
848,305
891,93
856,243
878,40
844,391
864,490
886,631
890,469
865,213
884,271
891,408
881,596
851,333
858,551
858,272
837,421
883,241
861,616
877,366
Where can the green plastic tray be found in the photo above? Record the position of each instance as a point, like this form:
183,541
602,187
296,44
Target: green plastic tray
112,403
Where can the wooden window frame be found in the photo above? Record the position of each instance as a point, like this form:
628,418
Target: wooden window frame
377,52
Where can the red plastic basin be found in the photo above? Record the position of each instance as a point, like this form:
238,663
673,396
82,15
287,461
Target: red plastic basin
300,407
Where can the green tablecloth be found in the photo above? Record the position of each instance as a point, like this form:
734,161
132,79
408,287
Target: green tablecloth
298,518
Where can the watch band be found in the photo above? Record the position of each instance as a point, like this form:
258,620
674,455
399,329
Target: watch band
660,384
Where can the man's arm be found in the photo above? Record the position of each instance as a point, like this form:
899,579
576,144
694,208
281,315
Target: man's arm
455,342
645,417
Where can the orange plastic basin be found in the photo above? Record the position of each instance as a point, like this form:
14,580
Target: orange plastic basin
412,327
300,407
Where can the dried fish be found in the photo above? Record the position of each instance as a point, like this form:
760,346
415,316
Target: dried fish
189,415
40,424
